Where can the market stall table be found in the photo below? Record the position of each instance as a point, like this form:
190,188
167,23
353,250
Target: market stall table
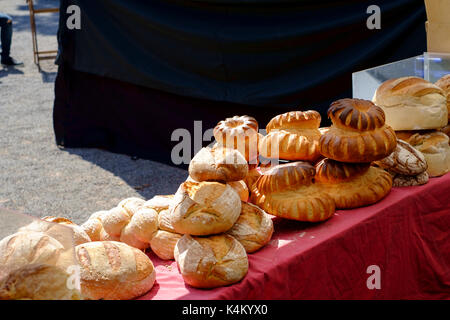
406,235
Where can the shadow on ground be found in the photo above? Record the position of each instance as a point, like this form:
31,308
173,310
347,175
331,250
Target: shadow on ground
148,178
9,70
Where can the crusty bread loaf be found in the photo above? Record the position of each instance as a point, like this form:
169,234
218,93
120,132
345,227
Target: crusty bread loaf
209,262
204,208
412,103
159,202
252,176
358,134
400,180
352,185
141,228
405,160
79,235
218,164
292,136
163,244
93,226
253,229
241,188
37,282
240,133
131,205
29,247
114,271
288,191
444,84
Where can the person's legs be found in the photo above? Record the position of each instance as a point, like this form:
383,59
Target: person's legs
5,35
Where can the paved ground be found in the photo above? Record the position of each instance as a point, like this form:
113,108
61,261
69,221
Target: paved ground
35,176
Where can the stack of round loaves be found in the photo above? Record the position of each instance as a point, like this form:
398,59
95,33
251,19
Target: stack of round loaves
418,111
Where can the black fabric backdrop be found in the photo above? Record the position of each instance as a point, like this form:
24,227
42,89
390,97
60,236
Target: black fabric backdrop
137,70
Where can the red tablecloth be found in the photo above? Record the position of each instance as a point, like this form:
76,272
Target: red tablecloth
407,235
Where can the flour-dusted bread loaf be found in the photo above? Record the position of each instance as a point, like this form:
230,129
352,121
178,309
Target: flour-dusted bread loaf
209,262
358,134
405,160
218,164
253,229
163,244
352,185
412,103
37,282
292,136
29,247
141,228
444,84
113,270
288,191
204,208
400,180
434,145
159,202
240,133
131,205
241,188
79,235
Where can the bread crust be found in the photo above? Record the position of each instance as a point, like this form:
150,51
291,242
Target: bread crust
352,185
253,229
209,262
241,188
358,133
288,191
400,180
444,84
163,244
113,270
218,164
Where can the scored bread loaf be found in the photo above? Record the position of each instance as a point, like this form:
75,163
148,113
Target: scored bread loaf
38,281
209,262
218,164
358,133
79,235
292,136
352,185
288,191
400,180
253,229
203,208
412,103
113,270
163,244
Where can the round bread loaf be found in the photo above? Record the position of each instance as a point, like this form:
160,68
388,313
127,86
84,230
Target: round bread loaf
29,247
358,133
114,271
79,235
405,160
240,133
241,188
253,229
400,180
288,191
37,282
352,185
209,262
163,244
292,136
204,208
218,164
412,103
444,84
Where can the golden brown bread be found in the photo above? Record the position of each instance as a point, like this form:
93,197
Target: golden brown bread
240,133
209,262
159,202
37,282
218,164
358,133
288,191
352,185
252,176
241,188
163,244
444,84
141,228
113,271
204,208
253,229
412,103
292,136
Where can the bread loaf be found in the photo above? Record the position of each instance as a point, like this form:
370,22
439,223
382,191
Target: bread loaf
163,244
288,191
253,229
209,262
241,188
400,180
114,271
412,103
444,84
204,208
358,133
159,202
